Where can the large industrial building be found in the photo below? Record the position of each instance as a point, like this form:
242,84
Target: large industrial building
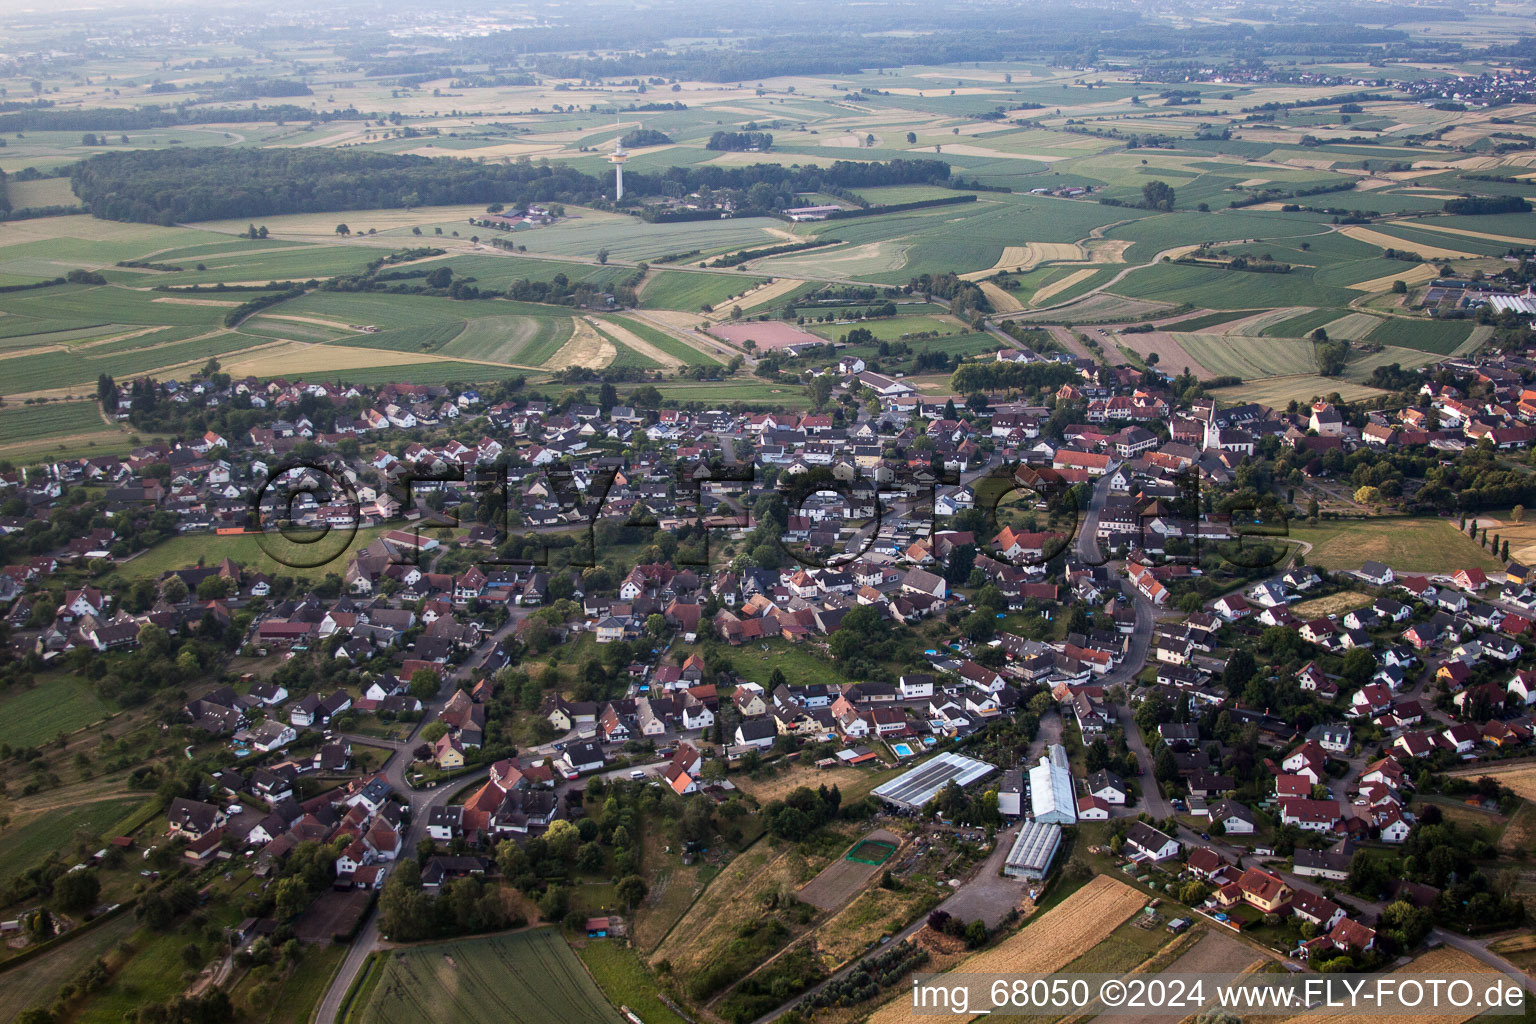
1033,850
912,789
1050,789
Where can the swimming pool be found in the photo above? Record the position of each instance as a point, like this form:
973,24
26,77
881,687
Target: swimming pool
902,749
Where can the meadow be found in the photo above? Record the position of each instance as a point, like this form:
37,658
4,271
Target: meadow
26,842
57,703
1407,545
523,978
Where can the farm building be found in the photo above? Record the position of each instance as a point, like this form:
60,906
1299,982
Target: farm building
1050,789
1033,850
912,789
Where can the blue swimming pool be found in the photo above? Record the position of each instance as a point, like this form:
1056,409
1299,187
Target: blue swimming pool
902,749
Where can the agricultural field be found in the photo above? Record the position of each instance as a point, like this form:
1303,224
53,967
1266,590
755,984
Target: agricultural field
525,978
672,289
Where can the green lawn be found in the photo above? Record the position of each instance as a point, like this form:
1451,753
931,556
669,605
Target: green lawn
22,846
529,977
39,981
1407,545
800,664
153,975
301,990
625,981
57,703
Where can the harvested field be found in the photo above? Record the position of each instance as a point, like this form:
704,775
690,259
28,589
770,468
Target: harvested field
293,358
1385,241
1107,250
1057,287
1002,301
766,334
1171,356
1046,944
586,348
841,880
1333,604
1411,276
1444,960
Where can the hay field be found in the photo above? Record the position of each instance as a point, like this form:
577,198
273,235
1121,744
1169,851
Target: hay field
1411,276
1385,241
1521,779
1047,944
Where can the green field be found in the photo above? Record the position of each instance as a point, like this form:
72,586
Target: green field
1407,545
1249,358
40,980
530,977
675,289
624,980
251,551
25,844
529,340
57,703
50,419
1438,336
626,357
668,344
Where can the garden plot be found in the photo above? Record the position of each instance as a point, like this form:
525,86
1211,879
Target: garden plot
840,881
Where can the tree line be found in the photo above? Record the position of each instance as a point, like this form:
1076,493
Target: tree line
171,186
